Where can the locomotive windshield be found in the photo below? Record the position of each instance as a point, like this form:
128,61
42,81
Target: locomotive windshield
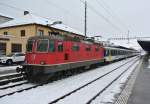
29,45
42,45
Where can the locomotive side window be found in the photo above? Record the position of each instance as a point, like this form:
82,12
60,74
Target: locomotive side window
42,45
75,47
88,48
29,45
96,49
60,46
51,46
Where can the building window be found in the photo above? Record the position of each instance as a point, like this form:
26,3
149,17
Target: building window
40,33
2,49
49,33
23,33
16,48
5,33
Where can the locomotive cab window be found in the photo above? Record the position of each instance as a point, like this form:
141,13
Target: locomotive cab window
29,45
42,45
60,46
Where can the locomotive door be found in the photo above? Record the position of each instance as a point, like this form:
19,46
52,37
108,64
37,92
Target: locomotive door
66,51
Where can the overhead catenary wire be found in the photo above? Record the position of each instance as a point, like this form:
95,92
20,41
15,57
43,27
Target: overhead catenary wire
112,13
89,6
102,16
22,10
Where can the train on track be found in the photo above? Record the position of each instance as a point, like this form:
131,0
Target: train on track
47,55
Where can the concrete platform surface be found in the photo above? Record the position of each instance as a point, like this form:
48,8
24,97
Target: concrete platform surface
141,90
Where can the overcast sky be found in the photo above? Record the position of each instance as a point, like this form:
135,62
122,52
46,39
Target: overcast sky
108,18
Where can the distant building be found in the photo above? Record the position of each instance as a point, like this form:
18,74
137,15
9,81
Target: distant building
5,18
14,33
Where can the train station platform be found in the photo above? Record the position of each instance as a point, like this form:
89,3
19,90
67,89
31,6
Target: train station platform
141,91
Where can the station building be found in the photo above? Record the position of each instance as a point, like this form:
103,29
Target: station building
14,33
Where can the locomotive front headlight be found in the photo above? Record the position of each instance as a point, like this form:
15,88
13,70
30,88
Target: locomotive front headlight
42,62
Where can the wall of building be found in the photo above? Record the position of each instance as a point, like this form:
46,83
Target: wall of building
14,36
16,31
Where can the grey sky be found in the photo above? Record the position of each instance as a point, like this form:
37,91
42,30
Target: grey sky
125,14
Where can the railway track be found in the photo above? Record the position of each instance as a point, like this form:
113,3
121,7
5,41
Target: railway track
26,86
93,81
8,78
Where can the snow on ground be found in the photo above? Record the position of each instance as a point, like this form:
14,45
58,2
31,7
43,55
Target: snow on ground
85,94
9,90
11,84
8,68
3,75
45,94
110,95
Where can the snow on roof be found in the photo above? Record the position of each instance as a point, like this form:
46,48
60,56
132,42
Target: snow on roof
5,15
67,28
132,43
144,39
32,19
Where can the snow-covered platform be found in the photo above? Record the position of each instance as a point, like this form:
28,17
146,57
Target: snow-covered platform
141,90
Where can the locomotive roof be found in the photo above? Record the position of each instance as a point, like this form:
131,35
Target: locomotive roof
120,47
62,38
40,37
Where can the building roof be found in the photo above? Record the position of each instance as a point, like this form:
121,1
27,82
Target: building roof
32,19
132,43
5,15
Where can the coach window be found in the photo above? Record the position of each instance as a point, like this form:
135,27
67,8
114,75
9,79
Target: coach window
115,52
106,52
42,45
51,46
60,46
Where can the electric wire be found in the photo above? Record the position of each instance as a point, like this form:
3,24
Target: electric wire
102,16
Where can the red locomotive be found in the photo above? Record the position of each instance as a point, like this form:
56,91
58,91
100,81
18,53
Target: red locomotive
47,55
